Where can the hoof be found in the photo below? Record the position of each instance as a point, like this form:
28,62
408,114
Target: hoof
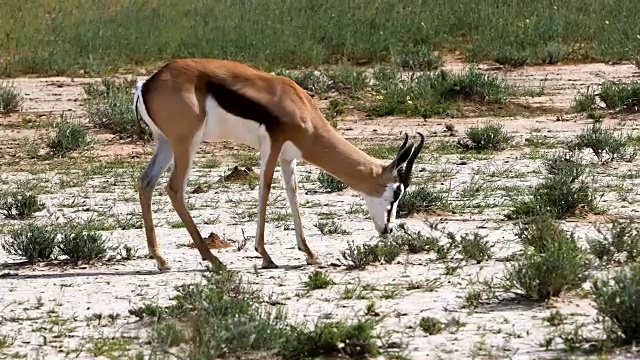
164,268
213,261
269,265
315,262
162,264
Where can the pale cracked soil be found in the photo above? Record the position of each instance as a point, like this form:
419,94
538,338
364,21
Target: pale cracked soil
43,308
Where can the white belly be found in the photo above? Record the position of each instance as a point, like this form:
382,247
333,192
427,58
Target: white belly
221,125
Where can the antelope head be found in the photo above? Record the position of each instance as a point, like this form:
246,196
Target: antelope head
396,178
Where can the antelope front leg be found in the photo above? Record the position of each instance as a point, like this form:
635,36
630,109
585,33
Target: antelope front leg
291,184
268,160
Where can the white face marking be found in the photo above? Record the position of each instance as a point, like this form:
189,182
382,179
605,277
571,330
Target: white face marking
382,212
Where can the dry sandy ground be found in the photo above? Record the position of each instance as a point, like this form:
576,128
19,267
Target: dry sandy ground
44,309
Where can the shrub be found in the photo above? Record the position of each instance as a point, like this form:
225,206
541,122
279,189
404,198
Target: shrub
620,95
360,256
330,227
330,183
347,80
421,199
318,280
108,105
430,94
224,317
334,109
430,325
585,101
413,242
565,164
551,262
622,238
10,98
418,59
310,81
80,245
562,192
618,303
32,241
602,141
552,53
538,231
353,340
511,57
474,247
68,136
486,137
19,205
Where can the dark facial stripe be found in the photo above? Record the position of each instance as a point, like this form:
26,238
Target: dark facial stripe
240,105
396,196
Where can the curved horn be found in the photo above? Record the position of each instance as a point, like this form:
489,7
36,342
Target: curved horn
412,158
404,143
401,157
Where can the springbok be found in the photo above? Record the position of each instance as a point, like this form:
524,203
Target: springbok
187,101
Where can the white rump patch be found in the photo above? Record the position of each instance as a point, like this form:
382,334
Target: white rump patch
137,96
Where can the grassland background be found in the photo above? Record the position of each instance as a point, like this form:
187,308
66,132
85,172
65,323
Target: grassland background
50,37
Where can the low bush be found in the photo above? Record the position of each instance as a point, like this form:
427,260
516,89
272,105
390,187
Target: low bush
109,106
19,205
68,136
551,262
617,301
10,98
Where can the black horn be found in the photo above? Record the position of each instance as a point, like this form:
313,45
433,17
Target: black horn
404,143
403,154
406,180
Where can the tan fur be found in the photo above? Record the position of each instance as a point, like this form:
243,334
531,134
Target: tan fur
175,101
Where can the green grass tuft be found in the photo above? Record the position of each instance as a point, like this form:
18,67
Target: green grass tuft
32,241
109,106
605,144
88,38
490,136
10,98
562,192
619,95
617,301
318,280
330,183
585,100
223,316
69,135
551,262
19,205
421,199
